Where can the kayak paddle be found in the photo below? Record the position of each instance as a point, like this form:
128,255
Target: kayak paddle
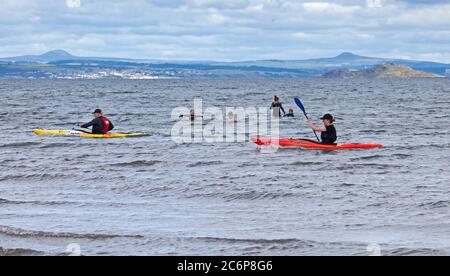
299,103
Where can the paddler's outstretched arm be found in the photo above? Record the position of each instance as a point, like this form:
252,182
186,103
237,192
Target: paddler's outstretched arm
91,123
314,127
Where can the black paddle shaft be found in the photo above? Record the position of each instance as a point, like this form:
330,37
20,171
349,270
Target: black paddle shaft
302,107
315,133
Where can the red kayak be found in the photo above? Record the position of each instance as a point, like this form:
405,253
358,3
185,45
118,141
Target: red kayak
308,144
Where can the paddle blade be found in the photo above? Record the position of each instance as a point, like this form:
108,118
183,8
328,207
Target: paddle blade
299,103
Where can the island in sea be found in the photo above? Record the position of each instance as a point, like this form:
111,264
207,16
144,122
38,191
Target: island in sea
387,70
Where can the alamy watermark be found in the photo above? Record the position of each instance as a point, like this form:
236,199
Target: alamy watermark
224,125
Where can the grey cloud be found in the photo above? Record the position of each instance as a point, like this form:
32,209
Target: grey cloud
231,29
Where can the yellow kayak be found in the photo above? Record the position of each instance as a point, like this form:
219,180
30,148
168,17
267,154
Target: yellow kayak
77,133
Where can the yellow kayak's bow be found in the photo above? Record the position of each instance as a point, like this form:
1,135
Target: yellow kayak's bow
76,133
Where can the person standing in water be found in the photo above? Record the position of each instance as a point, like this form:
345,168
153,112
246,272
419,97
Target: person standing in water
191,115
290,113
328,131
277,107
231,118
100,125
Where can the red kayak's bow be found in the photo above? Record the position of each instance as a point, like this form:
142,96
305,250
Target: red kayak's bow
308,144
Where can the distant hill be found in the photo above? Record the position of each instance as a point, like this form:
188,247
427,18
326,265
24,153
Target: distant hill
344,61
47,57
340,61
59,63
349,56
381,71
61,55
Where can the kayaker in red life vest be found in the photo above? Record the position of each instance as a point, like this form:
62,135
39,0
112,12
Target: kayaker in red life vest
329,134
100,125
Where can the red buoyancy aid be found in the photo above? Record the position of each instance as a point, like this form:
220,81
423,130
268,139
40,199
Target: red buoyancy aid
106,125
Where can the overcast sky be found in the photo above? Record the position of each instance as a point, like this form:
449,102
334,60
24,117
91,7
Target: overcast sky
227,29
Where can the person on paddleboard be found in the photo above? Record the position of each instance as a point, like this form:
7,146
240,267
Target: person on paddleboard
277,107
328,131
100,125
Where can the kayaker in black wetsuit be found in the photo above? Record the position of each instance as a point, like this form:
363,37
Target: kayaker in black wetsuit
100,125
277,106
329,134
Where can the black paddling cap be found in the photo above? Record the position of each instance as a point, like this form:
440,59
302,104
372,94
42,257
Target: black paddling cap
328,117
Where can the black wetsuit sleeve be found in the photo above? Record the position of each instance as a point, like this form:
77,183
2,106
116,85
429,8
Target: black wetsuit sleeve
91,123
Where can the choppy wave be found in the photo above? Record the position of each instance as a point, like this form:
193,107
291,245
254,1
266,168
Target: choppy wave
441,146
379,156
11,252
20,145
414,252
254,94
4,201
138,163
306,163
401,155
416,147
436,205
373,131
287,246
234,196
17,232
371,157
378,166
37,202
347,184
204,163
228,88
258,241
126,92
36,177
57,145
254,195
